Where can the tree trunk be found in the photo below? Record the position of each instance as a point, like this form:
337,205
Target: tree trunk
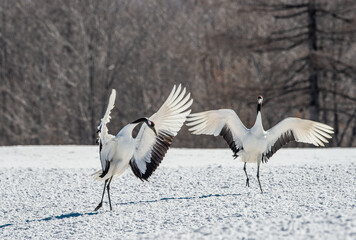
91,92
3,60
336,117
314,108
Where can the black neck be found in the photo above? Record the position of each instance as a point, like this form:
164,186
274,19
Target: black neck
259,106
140,120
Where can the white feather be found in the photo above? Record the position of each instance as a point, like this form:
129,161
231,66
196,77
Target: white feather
212,122
103,135
169,118
305,131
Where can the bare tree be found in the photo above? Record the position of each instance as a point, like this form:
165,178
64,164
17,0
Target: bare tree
60,59
315,36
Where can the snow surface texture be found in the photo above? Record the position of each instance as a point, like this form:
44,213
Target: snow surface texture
47,192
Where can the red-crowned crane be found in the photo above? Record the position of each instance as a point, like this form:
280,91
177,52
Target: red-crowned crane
256,145
145,152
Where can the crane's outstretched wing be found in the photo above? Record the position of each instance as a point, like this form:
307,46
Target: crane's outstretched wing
104,137
296,129
151,149
223,122
102,129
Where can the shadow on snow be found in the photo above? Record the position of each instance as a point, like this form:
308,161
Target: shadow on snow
63,216
181,198
76,214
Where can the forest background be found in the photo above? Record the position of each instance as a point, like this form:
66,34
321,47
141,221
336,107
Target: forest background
60,59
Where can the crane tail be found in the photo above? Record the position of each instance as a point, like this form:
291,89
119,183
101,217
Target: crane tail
97,175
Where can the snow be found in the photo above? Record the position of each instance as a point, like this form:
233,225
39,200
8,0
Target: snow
47,192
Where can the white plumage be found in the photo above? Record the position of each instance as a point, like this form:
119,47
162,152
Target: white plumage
145,152
104,136
256,144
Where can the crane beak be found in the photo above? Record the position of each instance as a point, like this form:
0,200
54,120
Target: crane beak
154,130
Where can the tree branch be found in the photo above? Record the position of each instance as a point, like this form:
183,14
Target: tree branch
346,127
291,15
326,12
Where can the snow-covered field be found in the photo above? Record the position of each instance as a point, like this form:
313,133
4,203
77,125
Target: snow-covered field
47,192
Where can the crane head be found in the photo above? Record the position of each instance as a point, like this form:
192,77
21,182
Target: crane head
151,125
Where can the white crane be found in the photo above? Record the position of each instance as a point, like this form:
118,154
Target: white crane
145,152
256,145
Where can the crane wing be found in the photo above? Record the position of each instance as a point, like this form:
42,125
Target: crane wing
151,149
295,129
104,137
223,122
102,129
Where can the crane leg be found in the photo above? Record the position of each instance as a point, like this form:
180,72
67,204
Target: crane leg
247,179
258,176
102,197
108,188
